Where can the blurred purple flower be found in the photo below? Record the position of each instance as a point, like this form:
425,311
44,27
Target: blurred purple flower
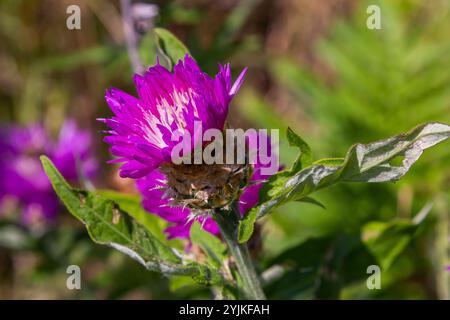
141,132
23,179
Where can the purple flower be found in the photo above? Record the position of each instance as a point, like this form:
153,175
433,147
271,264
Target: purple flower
141,128
141,138
23,179
153,188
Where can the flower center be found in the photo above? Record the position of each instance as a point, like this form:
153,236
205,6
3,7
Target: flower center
202,186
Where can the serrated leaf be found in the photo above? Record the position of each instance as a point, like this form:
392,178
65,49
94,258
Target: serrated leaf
305,157
211,245
363,163
108,224
170,46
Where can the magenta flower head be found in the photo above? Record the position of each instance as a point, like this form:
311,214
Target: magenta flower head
142,128
24,183
168,122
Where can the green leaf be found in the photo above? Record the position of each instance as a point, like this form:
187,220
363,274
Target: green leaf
170,46
305,157
363,163
148,49
211,245
319,268
330,161
247,226
132,205
386,241
108,224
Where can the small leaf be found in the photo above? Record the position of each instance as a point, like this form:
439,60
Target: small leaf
247,226
170,46
211,245
108,224
363,163
305,158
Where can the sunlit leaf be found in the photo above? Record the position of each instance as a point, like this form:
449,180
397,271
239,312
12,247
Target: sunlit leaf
364,163
170,46
110,225
305,157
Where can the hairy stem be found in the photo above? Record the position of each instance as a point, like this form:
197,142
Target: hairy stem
249,281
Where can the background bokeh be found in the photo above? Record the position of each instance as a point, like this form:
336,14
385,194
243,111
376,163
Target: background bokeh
313,66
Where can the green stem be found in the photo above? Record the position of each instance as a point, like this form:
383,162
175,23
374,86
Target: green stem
228,221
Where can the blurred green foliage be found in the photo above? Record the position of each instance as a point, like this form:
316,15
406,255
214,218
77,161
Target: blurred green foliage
382,82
